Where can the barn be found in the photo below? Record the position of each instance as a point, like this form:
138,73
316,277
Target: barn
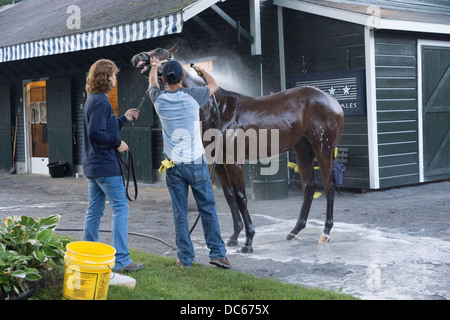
46,54
387,62
396,54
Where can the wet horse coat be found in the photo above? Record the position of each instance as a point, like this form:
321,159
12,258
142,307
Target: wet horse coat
305,119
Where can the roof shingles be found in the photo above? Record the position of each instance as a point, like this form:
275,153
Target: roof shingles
32,20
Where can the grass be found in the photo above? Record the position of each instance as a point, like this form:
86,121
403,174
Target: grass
163,279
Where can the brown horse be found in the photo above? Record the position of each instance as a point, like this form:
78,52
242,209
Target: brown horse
305,118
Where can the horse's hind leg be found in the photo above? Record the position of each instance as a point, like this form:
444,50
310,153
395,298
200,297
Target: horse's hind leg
325,161
236,176
305,158
231,200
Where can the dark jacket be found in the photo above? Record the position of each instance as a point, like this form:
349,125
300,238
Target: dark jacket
101,137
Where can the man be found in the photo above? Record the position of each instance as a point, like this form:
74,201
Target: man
178,109
101,165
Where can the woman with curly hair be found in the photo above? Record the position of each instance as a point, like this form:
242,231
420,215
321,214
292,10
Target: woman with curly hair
100,163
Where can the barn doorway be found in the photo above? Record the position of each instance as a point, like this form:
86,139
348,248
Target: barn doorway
36,111
434,109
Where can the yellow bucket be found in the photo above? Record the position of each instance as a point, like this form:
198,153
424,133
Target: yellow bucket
88,269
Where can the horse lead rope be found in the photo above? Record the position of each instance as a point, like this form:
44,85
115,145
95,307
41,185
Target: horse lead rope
128,162
139,107
129,168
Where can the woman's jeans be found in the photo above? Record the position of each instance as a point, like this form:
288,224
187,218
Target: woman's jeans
100,188
178,179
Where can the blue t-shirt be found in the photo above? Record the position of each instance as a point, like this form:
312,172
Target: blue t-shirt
101,137
179,112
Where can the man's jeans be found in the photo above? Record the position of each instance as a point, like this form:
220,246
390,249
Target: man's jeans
100,188
178,179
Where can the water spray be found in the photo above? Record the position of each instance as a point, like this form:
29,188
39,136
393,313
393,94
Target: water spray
200,74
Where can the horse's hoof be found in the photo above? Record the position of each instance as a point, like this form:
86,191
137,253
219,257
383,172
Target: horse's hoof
324,238
291,236
232,242
246,249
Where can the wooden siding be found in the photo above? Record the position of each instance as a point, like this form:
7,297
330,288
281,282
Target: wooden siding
6,134
325,44
79,97
17,111
269,46
396,90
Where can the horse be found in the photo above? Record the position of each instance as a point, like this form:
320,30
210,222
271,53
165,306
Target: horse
306,119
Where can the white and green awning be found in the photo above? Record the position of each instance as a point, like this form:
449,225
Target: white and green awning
136,31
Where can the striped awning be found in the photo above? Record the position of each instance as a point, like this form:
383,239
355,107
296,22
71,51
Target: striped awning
167,25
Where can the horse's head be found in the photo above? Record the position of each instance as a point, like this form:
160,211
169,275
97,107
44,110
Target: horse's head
142,60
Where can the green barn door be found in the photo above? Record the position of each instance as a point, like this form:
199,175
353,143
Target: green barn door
131,86
5,129
59,121
436,112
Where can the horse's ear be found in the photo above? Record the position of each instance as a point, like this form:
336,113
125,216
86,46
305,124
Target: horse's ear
174,48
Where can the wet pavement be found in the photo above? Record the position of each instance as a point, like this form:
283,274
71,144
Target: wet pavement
390,244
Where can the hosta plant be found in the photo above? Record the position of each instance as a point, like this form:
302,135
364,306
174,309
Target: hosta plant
14,272
27,246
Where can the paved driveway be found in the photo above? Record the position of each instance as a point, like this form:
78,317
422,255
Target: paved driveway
390,244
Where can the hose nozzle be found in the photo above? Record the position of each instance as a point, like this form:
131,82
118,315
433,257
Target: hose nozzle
198,72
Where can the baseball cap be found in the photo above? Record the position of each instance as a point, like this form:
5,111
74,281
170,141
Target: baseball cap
172,71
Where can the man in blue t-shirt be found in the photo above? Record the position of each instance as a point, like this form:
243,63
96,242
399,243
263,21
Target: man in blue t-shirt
178,109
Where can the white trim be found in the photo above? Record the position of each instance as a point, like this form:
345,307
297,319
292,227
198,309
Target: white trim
368,20
281,48
420,110
372,130
416,26
420,44
26,133
323,11
197,7
255,26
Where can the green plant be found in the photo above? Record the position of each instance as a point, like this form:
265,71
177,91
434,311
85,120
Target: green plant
14,271
27,246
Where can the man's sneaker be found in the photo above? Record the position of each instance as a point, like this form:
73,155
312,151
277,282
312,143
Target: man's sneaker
182,265
133,266
221,263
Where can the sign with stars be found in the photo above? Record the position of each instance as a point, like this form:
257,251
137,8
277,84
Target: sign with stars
347,87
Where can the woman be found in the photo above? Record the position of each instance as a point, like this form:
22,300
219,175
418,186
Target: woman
100,163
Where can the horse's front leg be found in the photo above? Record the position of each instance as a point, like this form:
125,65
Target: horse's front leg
231,200
236,175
